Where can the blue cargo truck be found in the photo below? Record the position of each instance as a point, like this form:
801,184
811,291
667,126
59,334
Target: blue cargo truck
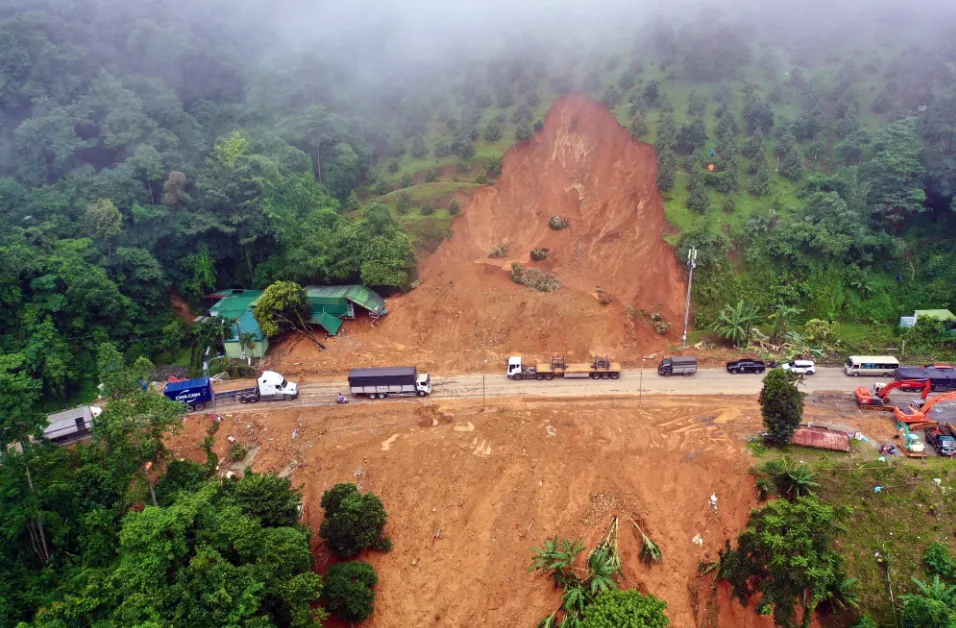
199,393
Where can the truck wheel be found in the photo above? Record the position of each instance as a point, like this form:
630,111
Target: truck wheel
667,373
189,408
198,406
253,399
615,375
539,377
517,377
595,375
382,395
372,395
243,400
549,376
605,375
687,373
421,393
288,397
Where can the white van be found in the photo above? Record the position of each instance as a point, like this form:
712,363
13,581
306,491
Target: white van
857,365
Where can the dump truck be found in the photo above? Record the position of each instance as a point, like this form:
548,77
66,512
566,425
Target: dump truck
677,365
393,381
200,392
598,368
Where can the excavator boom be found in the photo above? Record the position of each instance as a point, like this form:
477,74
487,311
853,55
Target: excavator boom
912,414
867,400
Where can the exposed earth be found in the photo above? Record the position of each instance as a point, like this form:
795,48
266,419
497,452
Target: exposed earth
498,482
583,166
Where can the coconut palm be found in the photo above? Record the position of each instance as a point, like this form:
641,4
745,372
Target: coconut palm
735,322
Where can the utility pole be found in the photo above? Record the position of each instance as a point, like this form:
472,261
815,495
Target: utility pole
691,265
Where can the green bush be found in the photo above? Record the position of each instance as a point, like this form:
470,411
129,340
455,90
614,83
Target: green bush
781,405
499,251
382,188
454,208
407,181
939,560
268,497
353,521
427,209
403,203
431,176
539,254
348,591
393,167
625,609
237,452
523,133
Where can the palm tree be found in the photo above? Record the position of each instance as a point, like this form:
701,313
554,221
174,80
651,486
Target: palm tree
247,342
558,557
841,595
792,480
781,317
735,322
601,572
939,591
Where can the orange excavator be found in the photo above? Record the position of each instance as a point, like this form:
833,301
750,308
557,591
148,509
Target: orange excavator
867,400
915,413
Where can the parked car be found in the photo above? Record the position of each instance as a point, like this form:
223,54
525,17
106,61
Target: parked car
800,367
944,444
746,365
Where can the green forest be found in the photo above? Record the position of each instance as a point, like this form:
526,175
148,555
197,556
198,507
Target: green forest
170,148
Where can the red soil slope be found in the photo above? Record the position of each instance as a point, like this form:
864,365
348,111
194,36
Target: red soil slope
583,165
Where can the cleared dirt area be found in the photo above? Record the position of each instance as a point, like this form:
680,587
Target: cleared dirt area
583,166
497,482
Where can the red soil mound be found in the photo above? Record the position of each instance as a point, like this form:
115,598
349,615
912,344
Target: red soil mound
583,166
586,167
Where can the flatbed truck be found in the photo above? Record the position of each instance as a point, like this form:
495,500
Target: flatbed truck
598,368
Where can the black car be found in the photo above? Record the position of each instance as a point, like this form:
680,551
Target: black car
746,365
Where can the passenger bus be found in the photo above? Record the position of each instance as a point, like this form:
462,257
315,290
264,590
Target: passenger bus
857,365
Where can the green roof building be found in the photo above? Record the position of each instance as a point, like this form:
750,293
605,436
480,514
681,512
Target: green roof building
330,304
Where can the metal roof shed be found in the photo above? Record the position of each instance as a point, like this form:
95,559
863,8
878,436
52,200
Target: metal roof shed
69,424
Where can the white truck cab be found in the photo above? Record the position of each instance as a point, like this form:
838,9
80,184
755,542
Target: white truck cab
423,384
272,384
514,365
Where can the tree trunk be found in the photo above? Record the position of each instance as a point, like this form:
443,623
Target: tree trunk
318,163
152,491
44,552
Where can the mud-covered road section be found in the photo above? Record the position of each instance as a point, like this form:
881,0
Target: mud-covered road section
496,483
582,166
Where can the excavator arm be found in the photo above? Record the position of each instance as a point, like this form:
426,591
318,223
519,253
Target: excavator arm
865,397
912,414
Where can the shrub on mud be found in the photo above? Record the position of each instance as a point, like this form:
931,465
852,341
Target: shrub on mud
454,208
606,299
539,254
348,591
499,251
237,452
353,521
427,209
534,278
660,325
558,223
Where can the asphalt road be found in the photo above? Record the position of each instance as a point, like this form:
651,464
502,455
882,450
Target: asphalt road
631,383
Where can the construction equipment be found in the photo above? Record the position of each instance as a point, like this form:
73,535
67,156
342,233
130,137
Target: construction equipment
598,368
918,412
912,445
877,400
